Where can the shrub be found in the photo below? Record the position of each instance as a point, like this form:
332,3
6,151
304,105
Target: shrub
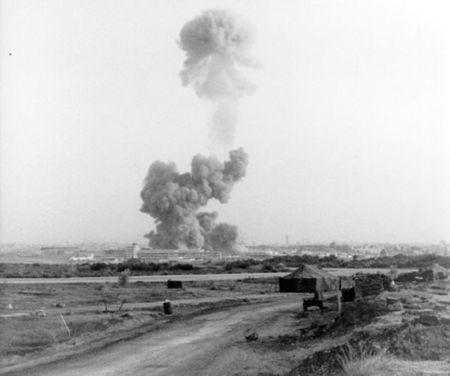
124,277
99,266
180,266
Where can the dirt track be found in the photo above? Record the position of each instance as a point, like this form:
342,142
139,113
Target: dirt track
146,278
190,277
210,344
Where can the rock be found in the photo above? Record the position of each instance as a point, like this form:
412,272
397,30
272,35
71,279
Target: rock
398,306
412,306
395,307
439,308
304,329
428,320
251,336
408,319
391,300
406,300
437,287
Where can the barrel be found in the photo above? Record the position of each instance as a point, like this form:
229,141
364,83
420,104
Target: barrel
167,307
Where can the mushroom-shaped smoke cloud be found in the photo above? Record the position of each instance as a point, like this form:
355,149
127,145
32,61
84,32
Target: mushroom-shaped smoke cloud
217,43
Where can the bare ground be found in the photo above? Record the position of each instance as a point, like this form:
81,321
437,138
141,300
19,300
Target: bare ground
210,344
214,343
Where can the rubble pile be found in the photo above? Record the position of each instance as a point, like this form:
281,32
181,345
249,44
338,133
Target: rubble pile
425,335
420,276
409,324
431,273
371,284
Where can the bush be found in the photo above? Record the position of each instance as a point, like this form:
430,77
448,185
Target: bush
98,266
240,264
124,277
180,266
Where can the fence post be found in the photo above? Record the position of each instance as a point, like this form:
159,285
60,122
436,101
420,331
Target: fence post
65,324
338,298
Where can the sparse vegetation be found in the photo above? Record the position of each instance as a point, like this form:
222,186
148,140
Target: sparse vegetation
365,339
113,310
275,264
376,365
124,277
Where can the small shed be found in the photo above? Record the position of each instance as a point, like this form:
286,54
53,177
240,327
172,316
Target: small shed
309,278
439,272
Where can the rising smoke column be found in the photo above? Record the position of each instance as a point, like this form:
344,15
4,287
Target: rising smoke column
218,237
174,199
217,43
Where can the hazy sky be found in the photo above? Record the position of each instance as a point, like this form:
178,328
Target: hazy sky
348,131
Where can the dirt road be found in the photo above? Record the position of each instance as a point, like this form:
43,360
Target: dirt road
210,344
146,278
192,277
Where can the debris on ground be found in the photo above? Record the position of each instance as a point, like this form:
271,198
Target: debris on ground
409,325
251,335
371,284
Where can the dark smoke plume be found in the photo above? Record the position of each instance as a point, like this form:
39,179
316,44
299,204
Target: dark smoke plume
223,237
217,43
174,199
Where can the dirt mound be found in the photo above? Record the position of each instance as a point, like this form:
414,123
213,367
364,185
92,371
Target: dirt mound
405,341
408,335
420,342
359,313
371,284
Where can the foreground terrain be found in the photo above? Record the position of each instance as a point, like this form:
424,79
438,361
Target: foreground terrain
205,345
401,332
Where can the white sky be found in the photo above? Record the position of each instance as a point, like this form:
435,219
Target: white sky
348,131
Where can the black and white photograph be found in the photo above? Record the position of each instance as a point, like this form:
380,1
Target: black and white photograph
224,188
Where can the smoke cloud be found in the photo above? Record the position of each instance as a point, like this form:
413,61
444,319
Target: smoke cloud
217,43
224,238
174,199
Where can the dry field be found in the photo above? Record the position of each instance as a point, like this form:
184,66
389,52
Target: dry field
39,317
232,334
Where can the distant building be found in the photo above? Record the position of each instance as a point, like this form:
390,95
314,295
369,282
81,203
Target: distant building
120,253
79,258
167,255
59,251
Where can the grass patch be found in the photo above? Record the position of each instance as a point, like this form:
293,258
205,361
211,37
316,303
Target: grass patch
23,335
387,365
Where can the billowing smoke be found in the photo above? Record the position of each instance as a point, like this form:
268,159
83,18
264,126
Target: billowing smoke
174,199
217,43
218,237
207,222
224,238
217,46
